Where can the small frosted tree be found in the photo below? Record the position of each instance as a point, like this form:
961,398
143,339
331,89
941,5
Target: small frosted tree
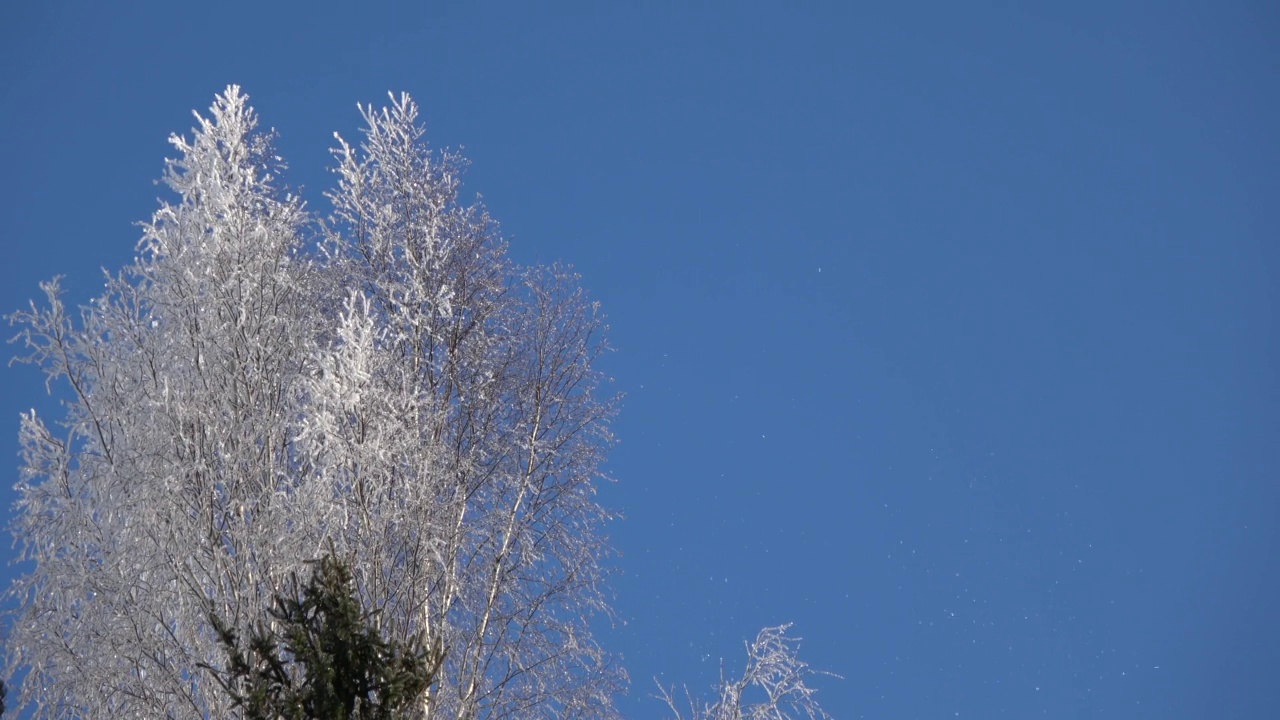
773,686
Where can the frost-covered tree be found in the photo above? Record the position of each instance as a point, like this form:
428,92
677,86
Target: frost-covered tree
261,385
464,386
171,486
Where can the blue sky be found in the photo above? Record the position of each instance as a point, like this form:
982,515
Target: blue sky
948,330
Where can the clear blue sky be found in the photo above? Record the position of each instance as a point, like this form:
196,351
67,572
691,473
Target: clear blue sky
948,330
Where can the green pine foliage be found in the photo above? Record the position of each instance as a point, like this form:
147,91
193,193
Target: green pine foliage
326,661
